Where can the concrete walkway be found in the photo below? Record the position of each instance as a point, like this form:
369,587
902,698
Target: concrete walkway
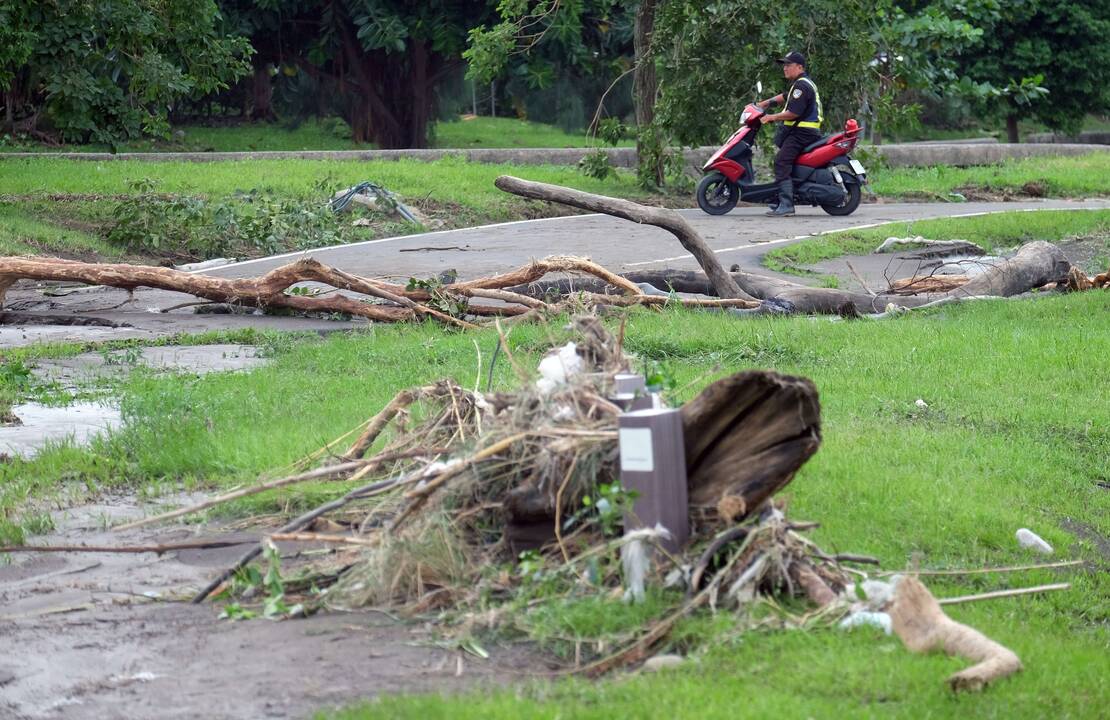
743,236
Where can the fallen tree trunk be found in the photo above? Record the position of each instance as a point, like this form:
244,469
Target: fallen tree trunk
669,220
1035,265
268,291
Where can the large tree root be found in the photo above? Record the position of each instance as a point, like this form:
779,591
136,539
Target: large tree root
923,626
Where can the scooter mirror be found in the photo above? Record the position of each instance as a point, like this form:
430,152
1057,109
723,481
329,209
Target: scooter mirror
759,87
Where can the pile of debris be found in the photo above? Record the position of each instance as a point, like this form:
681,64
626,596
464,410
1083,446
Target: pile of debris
474,505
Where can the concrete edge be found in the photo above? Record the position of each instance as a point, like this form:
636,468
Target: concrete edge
902,155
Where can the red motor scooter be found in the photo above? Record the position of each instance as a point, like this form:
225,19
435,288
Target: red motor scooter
823,174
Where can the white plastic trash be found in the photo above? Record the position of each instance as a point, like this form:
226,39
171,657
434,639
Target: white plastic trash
1029,539
864,618
556,369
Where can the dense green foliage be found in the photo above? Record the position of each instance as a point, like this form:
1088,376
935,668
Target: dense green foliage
556,59
1063,44
379,64
109,72
712,53
106,71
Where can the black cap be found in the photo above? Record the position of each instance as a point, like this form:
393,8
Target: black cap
792,57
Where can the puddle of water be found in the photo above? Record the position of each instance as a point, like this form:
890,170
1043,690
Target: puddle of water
197,359
42,424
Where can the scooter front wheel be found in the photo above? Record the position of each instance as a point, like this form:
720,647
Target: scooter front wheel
717,194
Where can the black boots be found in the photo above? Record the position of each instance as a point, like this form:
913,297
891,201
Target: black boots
785,208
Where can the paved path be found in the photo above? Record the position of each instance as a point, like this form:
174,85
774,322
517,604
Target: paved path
743,236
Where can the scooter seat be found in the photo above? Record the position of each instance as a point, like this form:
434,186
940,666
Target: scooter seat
817,143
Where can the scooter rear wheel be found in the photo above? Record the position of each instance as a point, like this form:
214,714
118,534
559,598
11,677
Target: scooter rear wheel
717,194
850,203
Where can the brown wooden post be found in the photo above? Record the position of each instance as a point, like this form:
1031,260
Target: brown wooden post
653,463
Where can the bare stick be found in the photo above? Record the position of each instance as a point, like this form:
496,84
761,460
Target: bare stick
374,428
159,549
859,279
508,296
324,538
1003,594
981,571
862,559
421,494
316,474
294,525
357,284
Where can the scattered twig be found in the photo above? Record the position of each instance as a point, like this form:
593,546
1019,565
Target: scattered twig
981,571
1003,594
324,538
317,474
294,525
859,279
159,549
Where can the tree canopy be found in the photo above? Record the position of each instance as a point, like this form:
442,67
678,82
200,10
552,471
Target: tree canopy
678,70
111,69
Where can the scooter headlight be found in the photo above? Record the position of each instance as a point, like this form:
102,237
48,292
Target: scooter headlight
744,116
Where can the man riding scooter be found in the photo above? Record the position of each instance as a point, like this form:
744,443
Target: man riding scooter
801,126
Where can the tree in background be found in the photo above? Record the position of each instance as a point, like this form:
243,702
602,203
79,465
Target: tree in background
1060,45
711,54
916,57
379,63
109,70
556,58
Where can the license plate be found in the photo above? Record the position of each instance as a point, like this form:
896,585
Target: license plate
857,166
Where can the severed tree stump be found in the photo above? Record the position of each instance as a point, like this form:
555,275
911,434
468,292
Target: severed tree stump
746,435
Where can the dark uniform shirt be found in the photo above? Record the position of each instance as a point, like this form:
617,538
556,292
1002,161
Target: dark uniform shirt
801,99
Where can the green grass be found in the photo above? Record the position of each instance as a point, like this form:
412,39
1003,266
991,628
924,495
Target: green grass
450,180
330,134
1078,176
1014,435
485,132
993,232
24,233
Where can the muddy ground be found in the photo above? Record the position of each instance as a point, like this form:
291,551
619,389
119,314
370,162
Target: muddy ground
95,635
31,425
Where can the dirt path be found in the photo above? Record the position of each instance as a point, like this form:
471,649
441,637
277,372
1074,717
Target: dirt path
107,636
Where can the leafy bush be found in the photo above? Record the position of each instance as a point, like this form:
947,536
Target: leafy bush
596,164
251,223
